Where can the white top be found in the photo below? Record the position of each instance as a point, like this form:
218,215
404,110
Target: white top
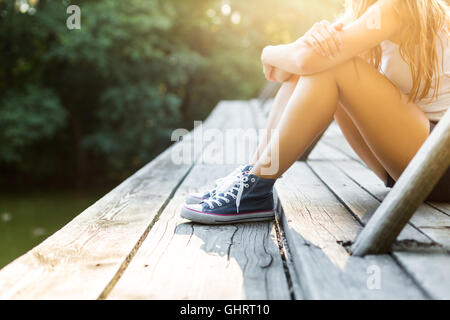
398,71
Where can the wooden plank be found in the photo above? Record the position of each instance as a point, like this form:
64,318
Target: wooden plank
322,151
313,272
81,259
361,203
315,224
442,206
429,268
410,191
428,220
181,260
415,255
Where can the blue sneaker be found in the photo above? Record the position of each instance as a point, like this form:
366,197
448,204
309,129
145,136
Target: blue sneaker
221,185
249,198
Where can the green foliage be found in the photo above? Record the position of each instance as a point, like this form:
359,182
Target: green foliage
26,117
103,100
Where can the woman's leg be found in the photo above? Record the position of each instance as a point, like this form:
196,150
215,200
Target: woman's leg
276,111
357,142
348,128
393,128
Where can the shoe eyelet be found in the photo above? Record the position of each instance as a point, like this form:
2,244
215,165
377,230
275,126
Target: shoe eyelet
247,185
253,179
227,201
220,204
211,207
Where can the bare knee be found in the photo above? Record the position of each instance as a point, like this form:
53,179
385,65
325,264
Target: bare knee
352,68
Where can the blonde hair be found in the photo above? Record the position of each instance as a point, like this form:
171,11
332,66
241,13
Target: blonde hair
423,21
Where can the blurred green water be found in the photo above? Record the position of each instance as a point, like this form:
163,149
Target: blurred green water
26,219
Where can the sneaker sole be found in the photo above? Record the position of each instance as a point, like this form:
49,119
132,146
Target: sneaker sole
211,218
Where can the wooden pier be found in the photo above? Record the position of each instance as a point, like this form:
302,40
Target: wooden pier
133,244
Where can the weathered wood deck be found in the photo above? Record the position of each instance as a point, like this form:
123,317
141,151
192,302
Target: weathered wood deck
132,243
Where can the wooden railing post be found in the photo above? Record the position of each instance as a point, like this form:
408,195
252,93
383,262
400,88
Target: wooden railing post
410,191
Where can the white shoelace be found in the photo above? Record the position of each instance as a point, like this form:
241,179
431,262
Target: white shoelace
223,184
237,185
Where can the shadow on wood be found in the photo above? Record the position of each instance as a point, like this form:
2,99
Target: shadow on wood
410,191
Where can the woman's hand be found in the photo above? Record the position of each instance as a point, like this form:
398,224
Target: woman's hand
324,38
275,74
280,75
300,58
271,73
267,68
268,72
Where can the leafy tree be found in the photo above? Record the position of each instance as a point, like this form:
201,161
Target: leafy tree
102,101
26,117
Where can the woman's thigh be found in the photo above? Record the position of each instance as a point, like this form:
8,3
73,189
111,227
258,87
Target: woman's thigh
393,128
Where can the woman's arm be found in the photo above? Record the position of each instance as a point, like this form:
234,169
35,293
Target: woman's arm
323,37
379,23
